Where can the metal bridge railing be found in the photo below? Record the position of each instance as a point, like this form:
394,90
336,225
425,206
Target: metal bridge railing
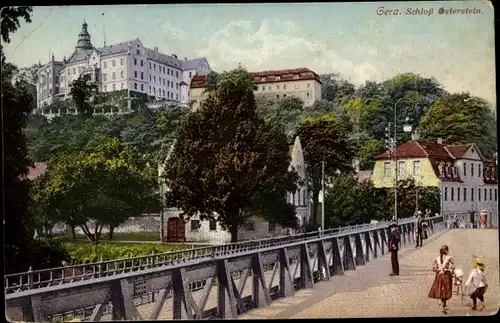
33,279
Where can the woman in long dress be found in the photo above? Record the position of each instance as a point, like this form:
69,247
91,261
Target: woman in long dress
442,288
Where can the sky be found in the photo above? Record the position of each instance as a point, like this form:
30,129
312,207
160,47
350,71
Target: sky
351,39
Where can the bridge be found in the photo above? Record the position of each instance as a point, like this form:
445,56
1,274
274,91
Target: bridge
338,273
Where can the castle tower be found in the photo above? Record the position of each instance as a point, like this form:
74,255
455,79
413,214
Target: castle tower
83,39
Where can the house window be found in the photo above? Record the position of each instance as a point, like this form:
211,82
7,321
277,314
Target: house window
163,92
135,86
121,74
105,88
304,196
154,79
472,194
138,52
142,75
105,64
121,86
154,67
150,65
277,87
135,74
250,225
195,225
416,167
142,62
150,78
114,62
177,74
446,193
465,169
121,61
465,194
212,225
401,169
458,193
74,70
452,193
496,194
272,226
104,77
387,169
472,170
307,94
284,86
479,170
177,97
479,195
114,87
135,61
189,74
113,75
491,194
485,195
142,87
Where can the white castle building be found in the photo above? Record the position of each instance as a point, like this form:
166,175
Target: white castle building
125,66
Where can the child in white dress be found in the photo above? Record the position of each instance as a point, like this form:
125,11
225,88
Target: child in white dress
477,284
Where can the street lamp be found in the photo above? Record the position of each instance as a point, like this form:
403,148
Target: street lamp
392,144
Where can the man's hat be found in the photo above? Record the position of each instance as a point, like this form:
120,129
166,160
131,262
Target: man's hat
478,263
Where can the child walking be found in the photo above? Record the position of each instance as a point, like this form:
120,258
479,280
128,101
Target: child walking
477,284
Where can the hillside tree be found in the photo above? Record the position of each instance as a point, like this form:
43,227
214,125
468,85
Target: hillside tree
324,139
228,164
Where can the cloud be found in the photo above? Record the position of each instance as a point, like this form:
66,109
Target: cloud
269,45
172,33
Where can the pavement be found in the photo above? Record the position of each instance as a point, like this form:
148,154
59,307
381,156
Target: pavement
369,292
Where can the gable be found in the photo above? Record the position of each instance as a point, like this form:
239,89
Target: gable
473,153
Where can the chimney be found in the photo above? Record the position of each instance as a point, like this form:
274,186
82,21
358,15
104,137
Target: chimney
415,135
174,56
185,58
156,49
440,141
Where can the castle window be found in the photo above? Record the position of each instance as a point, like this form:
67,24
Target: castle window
212,225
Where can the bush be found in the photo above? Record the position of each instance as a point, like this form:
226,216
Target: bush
48,253
88,253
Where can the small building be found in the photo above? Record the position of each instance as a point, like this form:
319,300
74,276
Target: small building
211,232
270,86
466,179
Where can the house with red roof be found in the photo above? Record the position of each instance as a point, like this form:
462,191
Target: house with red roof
270,86
466,179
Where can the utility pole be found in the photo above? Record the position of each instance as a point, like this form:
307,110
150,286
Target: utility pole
323,195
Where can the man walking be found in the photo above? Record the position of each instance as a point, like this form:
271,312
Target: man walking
418,229
393,244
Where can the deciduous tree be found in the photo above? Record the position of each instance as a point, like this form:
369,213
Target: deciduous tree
461,118
106,185
349,202
324,139
82,91
227,163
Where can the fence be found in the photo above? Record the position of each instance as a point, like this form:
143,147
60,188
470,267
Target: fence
121,293
70,274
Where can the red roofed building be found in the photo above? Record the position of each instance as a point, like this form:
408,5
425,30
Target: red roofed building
468,181
271,85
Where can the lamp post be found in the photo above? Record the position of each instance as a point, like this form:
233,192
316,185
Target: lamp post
392,144
323,195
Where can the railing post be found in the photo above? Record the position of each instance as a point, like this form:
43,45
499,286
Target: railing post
30,278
